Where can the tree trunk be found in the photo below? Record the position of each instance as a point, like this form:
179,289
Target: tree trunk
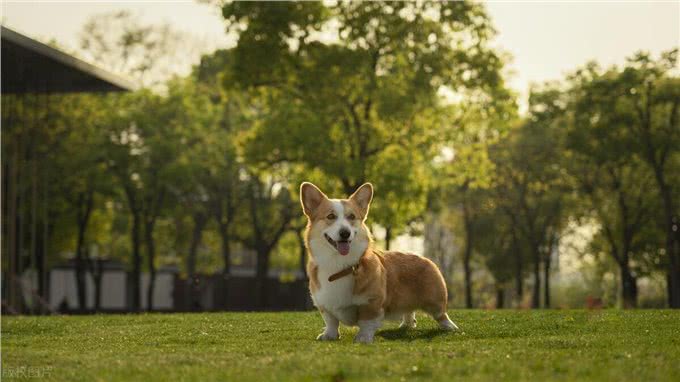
546,281
629,289
193,287
136,262
226,257
4,209
34,220
500,297
13,242
262,270
673,270
80,270
226,249
467,254
22,218
83,211
263,242
303,253
41,273
151,258
536,293
95,269
519,279
44,281
388,237
468,280
97,276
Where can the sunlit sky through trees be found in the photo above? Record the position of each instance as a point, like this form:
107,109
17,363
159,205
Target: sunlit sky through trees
545,39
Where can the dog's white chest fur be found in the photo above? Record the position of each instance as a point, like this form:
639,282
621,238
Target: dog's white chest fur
337,297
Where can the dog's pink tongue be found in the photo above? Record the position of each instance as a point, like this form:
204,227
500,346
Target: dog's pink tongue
343,248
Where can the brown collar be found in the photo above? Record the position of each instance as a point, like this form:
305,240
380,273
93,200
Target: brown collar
345,272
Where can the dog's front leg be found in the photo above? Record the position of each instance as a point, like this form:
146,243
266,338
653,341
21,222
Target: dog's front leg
370,320
330,332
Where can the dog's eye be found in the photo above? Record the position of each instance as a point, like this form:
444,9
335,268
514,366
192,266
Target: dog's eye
351,217
331,216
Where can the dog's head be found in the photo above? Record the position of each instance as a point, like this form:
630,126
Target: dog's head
338,222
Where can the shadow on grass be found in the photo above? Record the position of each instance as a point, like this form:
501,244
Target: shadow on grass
404,334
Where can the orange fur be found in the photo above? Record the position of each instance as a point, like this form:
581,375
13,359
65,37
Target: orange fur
400,282
386,284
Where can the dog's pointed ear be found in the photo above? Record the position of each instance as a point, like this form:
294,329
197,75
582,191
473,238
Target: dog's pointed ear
310,198
363,196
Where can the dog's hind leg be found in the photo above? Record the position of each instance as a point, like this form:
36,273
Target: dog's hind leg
445,322
439,314
408,320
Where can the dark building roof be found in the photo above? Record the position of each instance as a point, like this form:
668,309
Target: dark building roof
29,66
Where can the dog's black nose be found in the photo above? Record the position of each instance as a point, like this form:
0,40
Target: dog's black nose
344,234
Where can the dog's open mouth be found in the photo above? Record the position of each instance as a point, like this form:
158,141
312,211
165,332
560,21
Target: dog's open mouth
341,246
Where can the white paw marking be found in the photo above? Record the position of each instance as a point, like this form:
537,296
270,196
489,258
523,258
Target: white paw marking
447,324
407,325
325,336
364,338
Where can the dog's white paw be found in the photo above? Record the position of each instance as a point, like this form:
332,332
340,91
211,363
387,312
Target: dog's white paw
407,325
448,325
363,338
327,336
408,321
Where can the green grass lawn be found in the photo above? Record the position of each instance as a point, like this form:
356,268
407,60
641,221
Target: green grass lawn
492,345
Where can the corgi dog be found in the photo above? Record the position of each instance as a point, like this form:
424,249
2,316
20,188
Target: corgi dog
357,285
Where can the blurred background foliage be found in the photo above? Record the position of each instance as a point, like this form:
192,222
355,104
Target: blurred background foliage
573,203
